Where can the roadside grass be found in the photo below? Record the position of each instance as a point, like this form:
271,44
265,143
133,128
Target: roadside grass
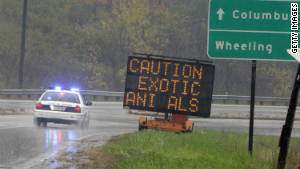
201,149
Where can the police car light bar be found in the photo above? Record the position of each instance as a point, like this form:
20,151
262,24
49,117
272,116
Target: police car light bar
75,89
57,88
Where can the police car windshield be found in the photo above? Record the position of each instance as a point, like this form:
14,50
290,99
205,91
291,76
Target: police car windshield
61,96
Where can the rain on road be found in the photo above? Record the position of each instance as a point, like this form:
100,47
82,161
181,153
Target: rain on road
22,145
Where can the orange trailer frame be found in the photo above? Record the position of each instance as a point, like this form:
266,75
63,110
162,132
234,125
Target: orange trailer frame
177,123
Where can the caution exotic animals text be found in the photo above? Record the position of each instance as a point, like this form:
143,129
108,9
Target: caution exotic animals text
170,86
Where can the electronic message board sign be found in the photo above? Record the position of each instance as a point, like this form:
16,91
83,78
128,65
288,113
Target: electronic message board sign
182,86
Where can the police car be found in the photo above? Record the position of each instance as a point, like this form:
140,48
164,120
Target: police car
62,106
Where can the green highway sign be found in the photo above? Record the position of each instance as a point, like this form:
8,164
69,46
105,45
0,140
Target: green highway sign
250,29
249,45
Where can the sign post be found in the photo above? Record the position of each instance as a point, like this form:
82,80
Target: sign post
252,104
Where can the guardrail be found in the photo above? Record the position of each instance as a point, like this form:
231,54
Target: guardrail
258,99
35,93
107,95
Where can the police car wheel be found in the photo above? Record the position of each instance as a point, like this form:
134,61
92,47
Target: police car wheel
37,122
81,124
44,123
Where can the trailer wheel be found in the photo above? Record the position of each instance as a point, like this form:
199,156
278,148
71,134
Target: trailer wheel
142,128
189,130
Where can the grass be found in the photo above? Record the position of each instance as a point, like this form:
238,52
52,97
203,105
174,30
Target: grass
200,149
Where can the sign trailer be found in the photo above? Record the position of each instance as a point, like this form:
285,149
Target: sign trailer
169,85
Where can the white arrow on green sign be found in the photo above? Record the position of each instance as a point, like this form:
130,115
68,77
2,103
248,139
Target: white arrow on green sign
250,29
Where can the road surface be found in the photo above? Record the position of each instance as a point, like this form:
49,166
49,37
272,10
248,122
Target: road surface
22,145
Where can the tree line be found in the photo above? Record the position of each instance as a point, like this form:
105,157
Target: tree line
86,43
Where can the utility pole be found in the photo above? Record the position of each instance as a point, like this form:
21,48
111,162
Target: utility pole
288,126
21,64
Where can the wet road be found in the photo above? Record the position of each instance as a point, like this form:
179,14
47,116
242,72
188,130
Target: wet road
217,110
22,145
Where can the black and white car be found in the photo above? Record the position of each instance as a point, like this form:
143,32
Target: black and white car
62,106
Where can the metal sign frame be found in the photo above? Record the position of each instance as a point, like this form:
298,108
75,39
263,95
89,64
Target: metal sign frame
238,33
